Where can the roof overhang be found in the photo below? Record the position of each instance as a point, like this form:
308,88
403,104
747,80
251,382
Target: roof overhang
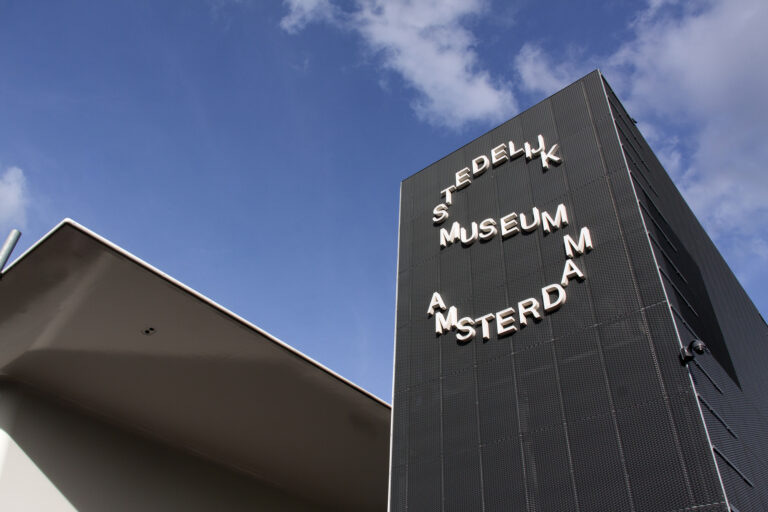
73,314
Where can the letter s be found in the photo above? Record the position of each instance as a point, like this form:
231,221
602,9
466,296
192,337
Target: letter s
440,213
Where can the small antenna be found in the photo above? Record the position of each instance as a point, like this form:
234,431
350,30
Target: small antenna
8,246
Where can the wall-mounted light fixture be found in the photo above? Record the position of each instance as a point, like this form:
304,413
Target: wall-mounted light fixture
688,353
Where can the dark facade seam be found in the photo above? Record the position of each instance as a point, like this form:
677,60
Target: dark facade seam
733,466
719,418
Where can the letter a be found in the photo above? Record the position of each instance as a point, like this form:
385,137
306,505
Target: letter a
437,301
570,271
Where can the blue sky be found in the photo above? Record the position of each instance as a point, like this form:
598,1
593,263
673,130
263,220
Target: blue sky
253,150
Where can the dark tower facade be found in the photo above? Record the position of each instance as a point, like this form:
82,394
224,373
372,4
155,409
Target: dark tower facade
551,284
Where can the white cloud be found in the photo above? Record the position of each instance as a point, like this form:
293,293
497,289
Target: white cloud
537,73
694,72
303,12
427,45
704,73
696,76
13,200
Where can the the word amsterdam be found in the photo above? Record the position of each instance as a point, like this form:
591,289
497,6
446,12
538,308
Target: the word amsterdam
552,297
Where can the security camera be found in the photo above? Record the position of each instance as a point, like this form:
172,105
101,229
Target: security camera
698,346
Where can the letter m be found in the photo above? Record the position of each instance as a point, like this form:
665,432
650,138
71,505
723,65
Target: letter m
446,323
561,219
584,245
447,238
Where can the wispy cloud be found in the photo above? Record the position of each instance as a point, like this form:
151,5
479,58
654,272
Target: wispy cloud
694,74
13,200
303,12
701,71
428,46
692,71
538,73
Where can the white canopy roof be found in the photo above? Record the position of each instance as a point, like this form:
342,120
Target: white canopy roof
73,314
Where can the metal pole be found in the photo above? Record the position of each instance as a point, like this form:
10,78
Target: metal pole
8,246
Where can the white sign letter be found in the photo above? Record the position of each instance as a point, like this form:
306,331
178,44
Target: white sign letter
505,322
530,152
436,302
546,297
464,329
444,324
561,219
447,193
534,223
488,229
509,225
514,153
499,155
469,240
528,307
569,272
440,213
447,238
547,156
584,245
463,178
480,165
485,329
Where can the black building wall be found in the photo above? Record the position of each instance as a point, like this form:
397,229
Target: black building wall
588,408
709,304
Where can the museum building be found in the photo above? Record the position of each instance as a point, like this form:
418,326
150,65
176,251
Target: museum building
567,338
